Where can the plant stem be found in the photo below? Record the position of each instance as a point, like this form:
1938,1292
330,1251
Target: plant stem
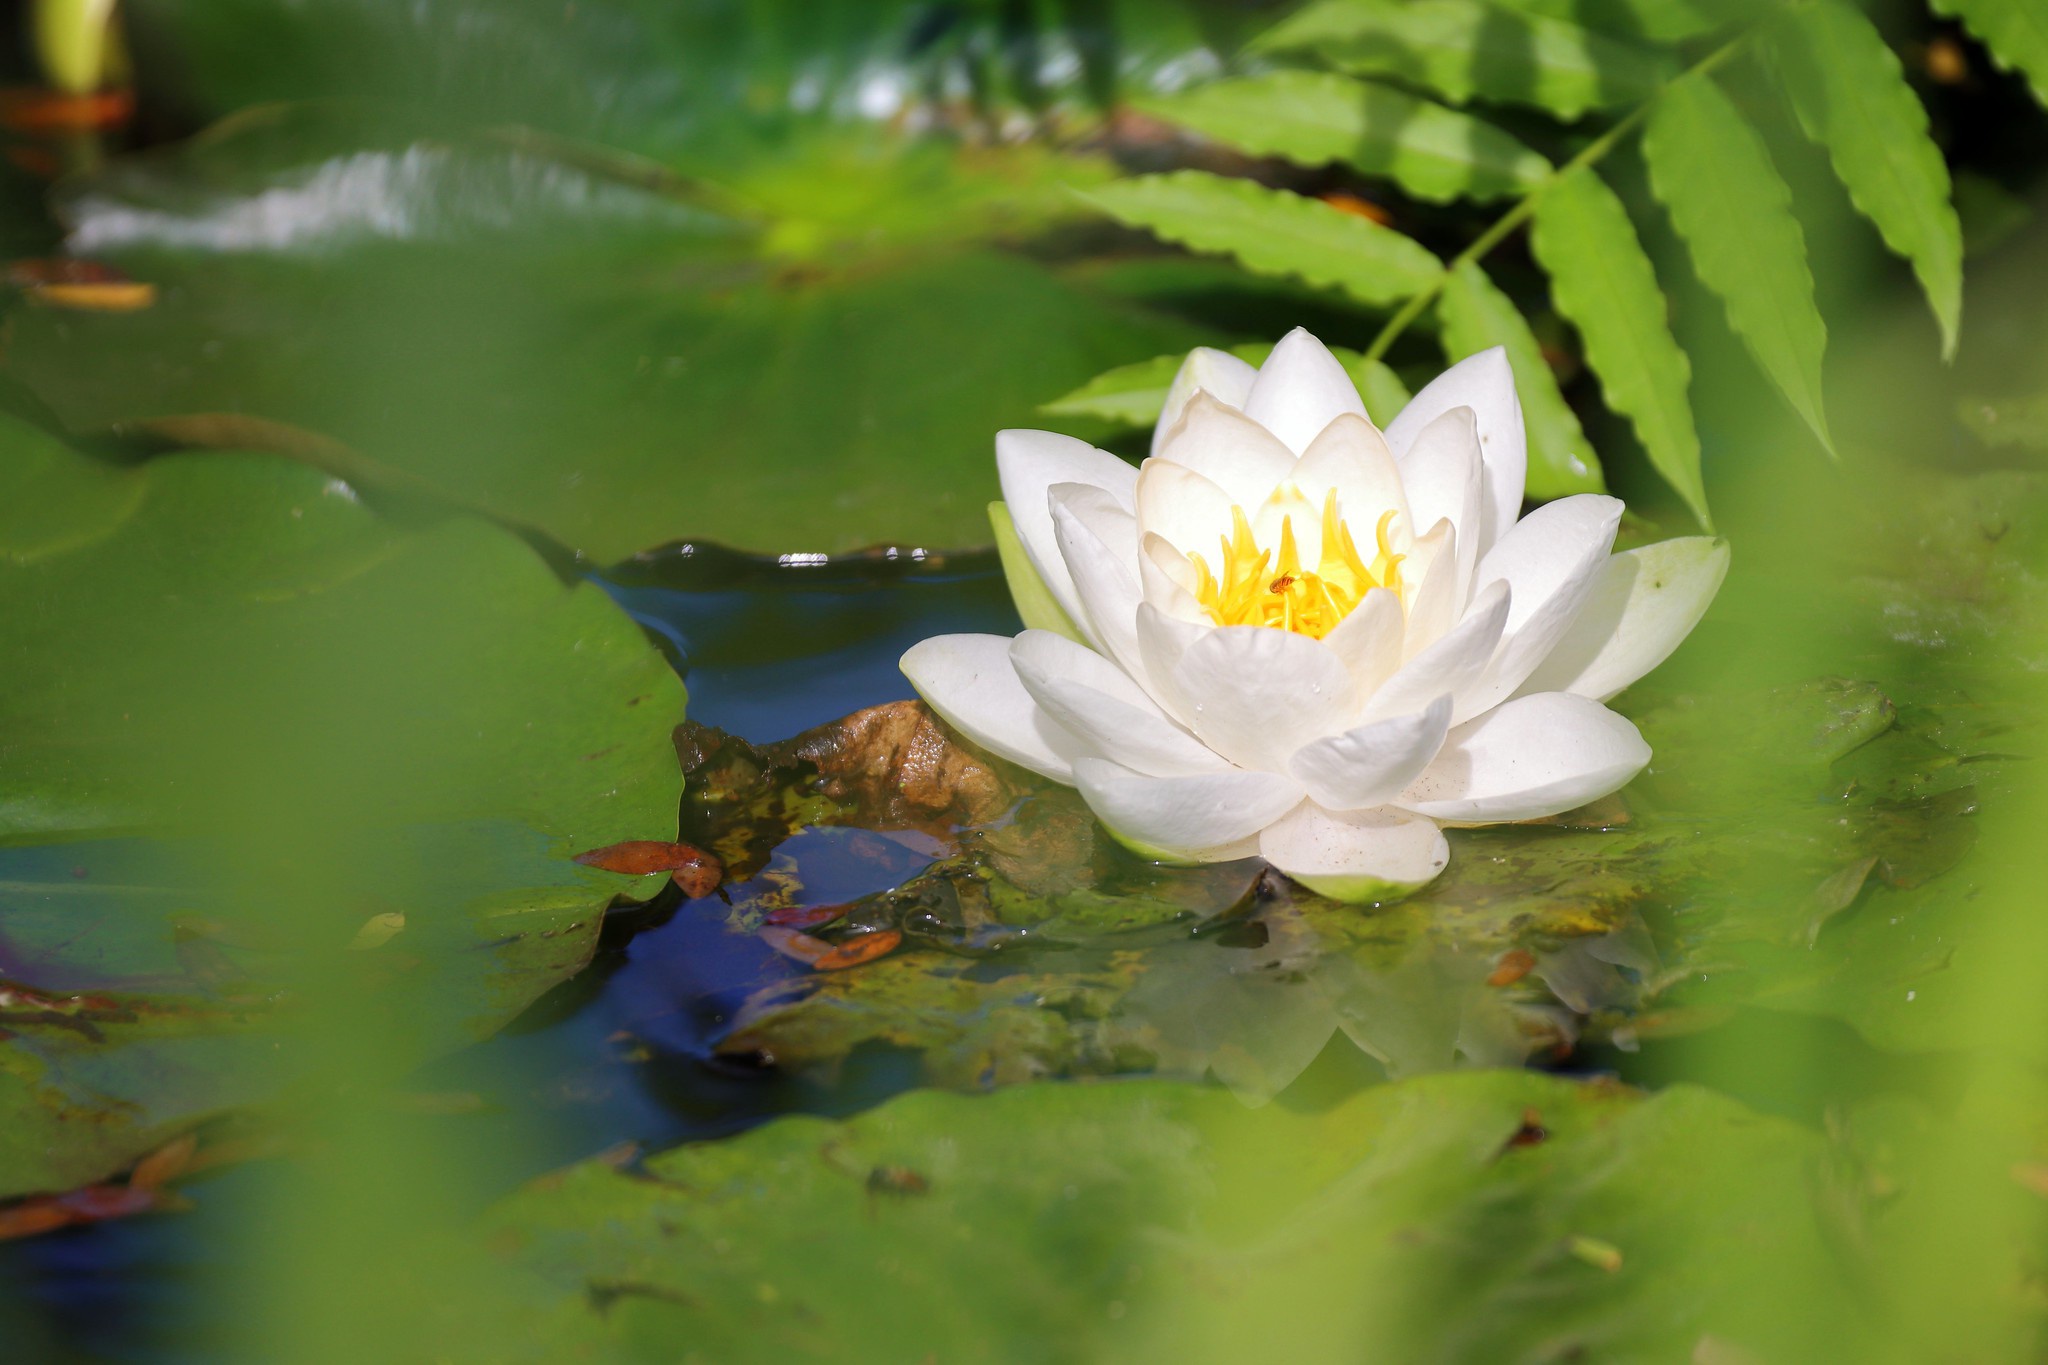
1526,207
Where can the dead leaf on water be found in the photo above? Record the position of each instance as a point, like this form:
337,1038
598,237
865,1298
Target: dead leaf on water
695,871
855,951
378,930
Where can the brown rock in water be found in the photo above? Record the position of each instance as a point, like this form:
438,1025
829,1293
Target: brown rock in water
902,769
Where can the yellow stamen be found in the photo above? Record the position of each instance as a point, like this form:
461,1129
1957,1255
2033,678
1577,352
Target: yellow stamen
1241,591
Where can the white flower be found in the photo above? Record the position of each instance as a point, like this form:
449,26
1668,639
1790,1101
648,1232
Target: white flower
1292,635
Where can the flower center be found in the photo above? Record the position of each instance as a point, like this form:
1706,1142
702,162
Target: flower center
1255,587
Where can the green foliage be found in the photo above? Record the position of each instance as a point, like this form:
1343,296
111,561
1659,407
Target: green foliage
1708,160
1468,49
322,721
1273,232
1705,157
1605,284
1314,117
1852,98
1154,1221
1131,396
2015,32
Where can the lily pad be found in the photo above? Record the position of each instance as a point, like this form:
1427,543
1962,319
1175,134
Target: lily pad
1446,1218
261,746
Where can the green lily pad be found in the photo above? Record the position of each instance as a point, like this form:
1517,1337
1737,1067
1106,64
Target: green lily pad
812,359
1455,1217
265,750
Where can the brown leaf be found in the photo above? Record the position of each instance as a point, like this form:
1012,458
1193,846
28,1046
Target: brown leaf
803,916
165,1164
855,951
902,769
52,111
792,943
91,1204
694,870
1514,964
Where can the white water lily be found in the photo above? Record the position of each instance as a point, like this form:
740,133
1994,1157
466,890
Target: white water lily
1292,634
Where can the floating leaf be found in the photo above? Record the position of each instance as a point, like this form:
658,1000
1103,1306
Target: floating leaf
1703,157
1605,284
1851,96
2014,32
1475,315
1464,49
1314,117
1274,232
1151,1221
589,358
266,691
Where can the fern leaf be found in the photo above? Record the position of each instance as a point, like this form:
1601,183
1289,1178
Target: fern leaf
1712,171
1474,314
1317,117
1852,98
2014,32
1463,49
1273,232
1602,280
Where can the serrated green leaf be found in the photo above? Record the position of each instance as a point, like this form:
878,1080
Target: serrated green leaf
1704,158
1657,21
1274,232
1475,314
1316,117
1132,395
1602,280
1463,49
2014,32
1852,98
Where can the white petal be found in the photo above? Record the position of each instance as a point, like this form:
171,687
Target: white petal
1227,448
1356,856
1551,559
1445,482
1167,581
1301,389
1288,504
1217,373
1484,383
1533,756
1094,699
1440,593
1371,765
1163,637
1029,463
1642,605
1350,458
1036,606
1184,819
1369,640
969,681
1452,666
1191,512
1257,694
1105,579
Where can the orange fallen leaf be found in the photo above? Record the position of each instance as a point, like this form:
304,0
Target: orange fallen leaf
91,1204
166,1163
26,110
793,943
1514,964
863,948
695,871
1358,208
124,296
803,916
